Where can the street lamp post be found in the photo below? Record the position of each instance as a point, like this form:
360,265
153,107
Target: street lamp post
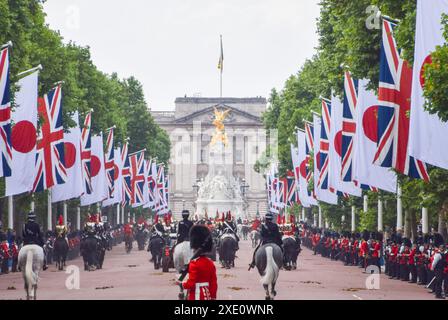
244,187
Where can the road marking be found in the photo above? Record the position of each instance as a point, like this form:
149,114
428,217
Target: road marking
359,298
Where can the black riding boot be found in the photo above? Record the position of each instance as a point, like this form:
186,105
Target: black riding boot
45,266
252,264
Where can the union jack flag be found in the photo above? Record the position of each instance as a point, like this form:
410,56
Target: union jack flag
309,130
110,163
137,178
324,145
50,163
394,109
160,187
86,153
282,192
293,194
348,125
126,176
151,169
5,114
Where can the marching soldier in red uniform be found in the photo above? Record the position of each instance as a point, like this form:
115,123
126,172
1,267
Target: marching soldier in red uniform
316,240
202,282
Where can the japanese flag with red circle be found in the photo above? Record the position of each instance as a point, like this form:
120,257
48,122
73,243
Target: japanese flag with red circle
24,137
427,133
365,143
73,187
98,174
302,158
335,170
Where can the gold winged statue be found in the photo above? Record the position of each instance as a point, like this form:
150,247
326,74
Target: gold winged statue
218,122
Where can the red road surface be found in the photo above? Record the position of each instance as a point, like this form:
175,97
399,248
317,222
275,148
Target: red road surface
131,276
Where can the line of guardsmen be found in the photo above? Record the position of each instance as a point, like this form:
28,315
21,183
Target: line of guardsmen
424,262
10,245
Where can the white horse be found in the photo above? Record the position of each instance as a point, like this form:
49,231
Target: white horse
182,255
239,230
31,261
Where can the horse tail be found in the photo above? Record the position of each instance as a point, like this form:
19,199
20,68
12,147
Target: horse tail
271,271
30,275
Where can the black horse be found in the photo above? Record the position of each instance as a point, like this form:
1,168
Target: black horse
89,252
227,249
103,246
141,239
291,248
156,245
60,252
128,240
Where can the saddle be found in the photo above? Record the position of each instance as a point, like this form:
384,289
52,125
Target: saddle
228,235
288,237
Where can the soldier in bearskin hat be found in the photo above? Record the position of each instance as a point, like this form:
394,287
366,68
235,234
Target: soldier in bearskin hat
439,264
202,281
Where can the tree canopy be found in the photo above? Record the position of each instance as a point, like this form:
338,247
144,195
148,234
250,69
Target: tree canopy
349,38
114,101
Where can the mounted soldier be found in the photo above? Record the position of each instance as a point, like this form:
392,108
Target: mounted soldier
183,229
229,227
32,235
270,233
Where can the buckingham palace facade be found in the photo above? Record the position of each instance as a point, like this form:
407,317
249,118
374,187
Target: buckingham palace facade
190,127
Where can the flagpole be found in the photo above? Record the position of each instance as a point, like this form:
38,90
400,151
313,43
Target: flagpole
111,128
221,68
11,212
49,213
65,212
6,45
78,218
136,152
38,68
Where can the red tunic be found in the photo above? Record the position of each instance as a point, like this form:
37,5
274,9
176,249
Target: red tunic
128,229
202,283
376,250
404,257
412,257
364,249
334,243
5,248
255,225
394,253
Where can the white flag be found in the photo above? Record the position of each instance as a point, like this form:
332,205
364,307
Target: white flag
98,174
73,186
321,194
23,137
299,161
305,197
427,133
365,146
335,154
118,187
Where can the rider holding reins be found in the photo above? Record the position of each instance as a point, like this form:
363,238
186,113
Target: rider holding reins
32,235
270,233
183,229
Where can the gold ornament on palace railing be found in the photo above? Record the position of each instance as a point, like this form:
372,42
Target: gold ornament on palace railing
218,122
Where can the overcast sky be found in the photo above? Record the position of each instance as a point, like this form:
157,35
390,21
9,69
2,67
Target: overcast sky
172,46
